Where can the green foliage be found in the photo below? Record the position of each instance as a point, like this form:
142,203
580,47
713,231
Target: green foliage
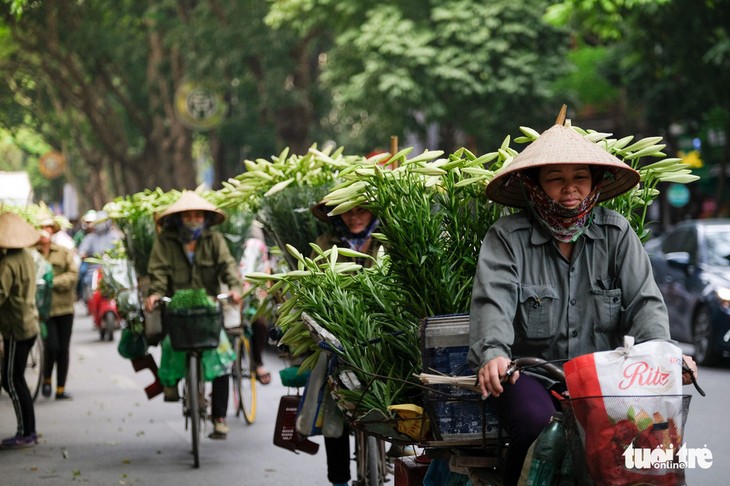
282,190
470,67
190,299
586,83
602,18
365,320
433,215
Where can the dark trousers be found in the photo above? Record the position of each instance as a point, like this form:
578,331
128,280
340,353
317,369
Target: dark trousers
258,341
219,396
56,350
524,409
338,457
14,361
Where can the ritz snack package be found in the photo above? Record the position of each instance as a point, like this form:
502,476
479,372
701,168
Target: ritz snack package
626,400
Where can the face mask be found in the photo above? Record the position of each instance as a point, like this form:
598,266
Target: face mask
194,226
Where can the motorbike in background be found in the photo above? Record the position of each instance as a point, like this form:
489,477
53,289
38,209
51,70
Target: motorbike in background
101,306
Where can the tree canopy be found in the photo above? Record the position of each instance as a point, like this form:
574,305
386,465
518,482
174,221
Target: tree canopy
98,81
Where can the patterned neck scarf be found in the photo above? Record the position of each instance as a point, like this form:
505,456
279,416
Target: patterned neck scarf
355,241
565,224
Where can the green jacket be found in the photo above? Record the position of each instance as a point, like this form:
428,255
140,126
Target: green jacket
18,313
170,270
65,276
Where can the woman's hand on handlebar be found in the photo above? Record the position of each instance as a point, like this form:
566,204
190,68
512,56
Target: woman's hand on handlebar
492,374
235,297
690,368
151,302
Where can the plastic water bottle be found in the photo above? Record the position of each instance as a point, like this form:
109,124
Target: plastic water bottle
547,457
567,471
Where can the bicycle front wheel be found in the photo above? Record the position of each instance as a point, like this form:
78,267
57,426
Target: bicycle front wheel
244,379
192,400
34,368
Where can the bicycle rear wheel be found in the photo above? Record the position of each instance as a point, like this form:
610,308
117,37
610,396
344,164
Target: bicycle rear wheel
34,368
192,402
370,460
244,379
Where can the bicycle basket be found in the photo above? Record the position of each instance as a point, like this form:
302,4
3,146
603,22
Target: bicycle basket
194,328
626,440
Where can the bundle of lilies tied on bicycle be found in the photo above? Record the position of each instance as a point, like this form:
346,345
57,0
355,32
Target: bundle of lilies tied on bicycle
356,315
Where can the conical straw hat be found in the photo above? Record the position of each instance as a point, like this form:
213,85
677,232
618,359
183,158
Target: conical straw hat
15,232
192,201
46,219
560,144
320,211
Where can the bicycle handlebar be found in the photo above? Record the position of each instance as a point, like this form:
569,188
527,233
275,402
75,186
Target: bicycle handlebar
521,364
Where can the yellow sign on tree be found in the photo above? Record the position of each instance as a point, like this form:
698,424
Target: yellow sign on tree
52,164
199,107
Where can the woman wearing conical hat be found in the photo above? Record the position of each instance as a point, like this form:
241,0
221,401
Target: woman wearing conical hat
187,255
18,321
562,278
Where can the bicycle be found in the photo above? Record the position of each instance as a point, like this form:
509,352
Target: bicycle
33,367
243,376
371,462
193,331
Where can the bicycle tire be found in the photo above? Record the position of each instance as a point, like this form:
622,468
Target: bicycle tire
108,325
192,396
244,379
34,368
373,462
370,461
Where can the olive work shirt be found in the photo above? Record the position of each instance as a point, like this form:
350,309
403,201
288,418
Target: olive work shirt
170,270
529,300
65,276
18,312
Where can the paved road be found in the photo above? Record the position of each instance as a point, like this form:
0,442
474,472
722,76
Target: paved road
111,434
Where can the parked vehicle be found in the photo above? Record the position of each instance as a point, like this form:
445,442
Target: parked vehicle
102,309
691,264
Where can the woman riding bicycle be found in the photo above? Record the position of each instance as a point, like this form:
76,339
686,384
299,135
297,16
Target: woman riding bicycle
562,278
188,255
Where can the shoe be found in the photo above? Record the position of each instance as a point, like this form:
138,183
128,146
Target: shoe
19,441
220,429
64,396
263,378
171,394
46,390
